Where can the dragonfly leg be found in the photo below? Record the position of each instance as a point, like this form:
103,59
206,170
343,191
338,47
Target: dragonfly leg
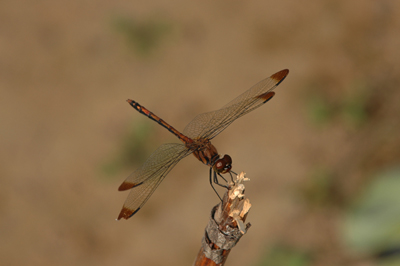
222,178
216,180
230,172
211,182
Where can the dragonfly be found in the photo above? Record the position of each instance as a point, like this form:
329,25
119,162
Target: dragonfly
196,139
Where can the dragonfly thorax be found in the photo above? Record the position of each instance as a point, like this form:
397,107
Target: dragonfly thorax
204,151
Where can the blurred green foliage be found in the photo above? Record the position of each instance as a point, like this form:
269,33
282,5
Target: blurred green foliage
136,146
320,111
350,109
143,37
281,255
354,105
371,226
319,188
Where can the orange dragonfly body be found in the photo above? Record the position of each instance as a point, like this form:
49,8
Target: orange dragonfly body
196,139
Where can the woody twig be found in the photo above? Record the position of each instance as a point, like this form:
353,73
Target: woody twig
226,225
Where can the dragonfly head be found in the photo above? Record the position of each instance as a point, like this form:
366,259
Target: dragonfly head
223,165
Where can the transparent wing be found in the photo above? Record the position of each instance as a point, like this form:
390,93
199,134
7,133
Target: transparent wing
208,125
146,179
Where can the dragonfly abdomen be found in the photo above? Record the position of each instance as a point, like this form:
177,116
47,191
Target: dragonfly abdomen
143,110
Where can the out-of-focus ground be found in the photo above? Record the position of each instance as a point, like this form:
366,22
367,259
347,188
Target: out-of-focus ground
68,138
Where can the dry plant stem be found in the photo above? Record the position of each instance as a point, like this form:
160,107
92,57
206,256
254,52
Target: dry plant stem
226,225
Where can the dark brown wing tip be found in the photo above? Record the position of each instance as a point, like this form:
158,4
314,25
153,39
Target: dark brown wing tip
280,76
126,185
267,96
126,213
129,101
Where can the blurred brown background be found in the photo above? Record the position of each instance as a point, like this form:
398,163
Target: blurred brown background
68,138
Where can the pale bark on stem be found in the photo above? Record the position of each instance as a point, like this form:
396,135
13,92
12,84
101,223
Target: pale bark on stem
226,225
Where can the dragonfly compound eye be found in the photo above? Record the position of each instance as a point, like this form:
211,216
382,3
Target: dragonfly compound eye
220,165
227,159
223,165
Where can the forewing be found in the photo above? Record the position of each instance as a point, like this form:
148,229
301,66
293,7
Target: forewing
145,180
210,124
